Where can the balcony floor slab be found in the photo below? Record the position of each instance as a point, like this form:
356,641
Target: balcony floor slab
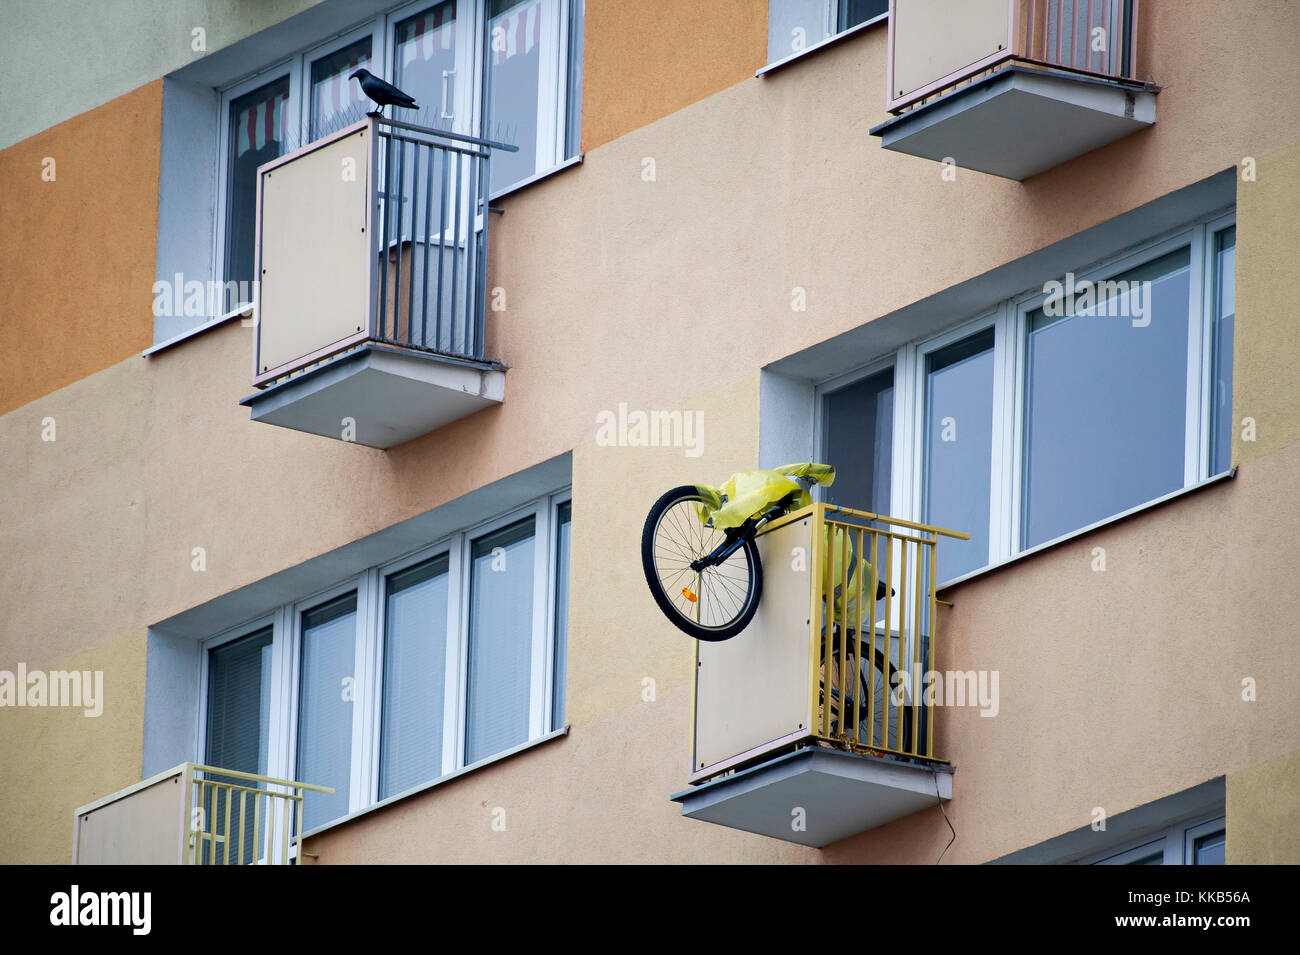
1019,122
841,794
391,395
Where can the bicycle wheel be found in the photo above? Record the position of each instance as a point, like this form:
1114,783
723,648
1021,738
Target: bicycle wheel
717,602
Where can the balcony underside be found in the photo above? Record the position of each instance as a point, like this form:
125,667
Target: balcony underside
1019,121
841,794
388,395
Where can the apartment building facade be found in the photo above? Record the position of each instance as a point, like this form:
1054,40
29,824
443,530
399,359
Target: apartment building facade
328,439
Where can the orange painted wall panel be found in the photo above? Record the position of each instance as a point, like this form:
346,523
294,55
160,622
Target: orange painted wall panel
644,61
77,253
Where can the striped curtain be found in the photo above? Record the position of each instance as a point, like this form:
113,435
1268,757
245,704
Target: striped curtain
261,123
519,30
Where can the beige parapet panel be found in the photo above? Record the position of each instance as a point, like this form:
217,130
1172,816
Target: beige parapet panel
313,244
1264,813
935,38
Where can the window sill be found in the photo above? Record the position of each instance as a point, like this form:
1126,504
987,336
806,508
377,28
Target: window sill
1123,515
544,174
239,311
441,780
821,45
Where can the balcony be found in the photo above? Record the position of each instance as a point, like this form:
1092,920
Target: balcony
1012,87
371,260
808,726
194,815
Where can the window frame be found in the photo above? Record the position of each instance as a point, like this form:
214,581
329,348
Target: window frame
367,724
1009,318
1176,842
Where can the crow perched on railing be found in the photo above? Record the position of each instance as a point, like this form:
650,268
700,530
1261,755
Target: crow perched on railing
383,94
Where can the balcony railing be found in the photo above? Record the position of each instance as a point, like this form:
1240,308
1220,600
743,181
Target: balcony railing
372,281
194,815
937,45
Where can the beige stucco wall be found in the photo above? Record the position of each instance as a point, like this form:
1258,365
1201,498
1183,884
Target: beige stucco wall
673,293
1264,813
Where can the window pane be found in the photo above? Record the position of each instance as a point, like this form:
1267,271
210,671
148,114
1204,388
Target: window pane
859,442
515,58
561,615
329,636
424,65
794,25
257,134
853,12
1225,287
577,45
500,641
959,448
239,701
336,100
239,712
1105,425
415,665
1209,849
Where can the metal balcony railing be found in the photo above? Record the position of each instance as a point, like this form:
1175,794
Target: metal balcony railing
870,657
934,49
194,815
375,233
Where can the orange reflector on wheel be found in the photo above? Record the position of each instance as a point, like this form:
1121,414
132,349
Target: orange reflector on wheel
686,592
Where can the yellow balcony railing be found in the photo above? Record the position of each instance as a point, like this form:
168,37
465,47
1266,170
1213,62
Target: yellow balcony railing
873,632
194,815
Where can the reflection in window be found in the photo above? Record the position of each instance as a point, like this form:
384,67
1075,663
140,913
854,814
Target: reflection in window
325,707
563,513
859,442
424,65
415,667
500,641
515,61
958,449
1106,402
1210,849
1225,267
257,135
336,100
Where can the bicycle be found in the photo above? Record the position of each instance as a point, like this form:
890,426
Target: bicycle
698,552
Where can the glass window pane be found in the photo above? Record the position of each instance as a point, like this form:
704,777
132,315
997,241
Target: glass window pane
515,58
1225,287
794,25
415,665
1210,849
257,135
853,12
424,65
577,45
325,704
1105,426
959,448
239,713
239,701
336,100
500,641
859,442
561,615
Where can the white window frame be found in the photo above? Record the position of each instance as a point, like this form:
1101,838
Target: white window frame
1009,320
1176,843
286,655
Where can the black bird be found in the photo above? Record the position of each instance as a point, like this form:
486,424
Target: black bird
384,94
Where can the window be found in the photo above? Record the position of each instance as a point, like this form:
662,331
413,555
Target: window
1201,842
405,674
796,25
1070,404
435,52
